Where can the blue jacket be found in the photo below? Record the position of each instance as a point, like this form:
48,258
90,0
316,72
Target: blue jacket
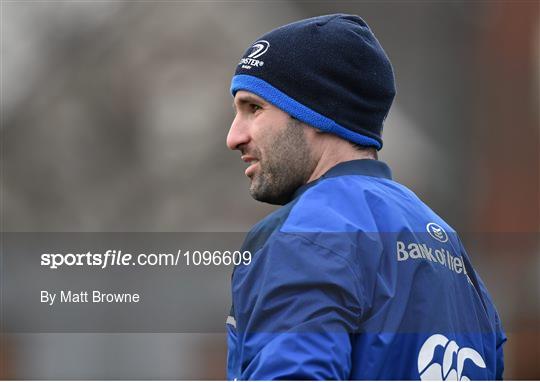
356,278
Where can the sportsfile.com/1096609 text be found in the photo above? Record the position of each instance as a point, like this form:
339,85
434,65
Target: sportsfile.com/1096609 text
111,258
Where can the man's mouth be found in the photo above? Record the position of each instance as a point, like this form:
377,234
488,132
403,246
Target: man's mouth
253,163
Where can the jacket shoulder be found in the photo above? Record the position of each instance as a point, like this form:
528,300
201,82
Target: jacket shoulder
352,203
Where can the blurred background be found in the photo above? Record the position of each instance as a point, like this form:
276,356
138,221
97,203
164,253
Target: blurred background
114,116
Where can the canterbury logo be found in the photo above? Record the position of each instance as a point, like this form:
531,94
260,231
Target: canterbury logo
430,370
259,48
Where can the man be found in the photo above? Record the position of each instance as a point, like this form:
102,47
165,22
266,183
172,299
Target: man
354,277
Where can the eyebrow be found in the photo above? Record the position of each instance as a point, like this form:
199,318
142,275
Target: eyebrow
247,99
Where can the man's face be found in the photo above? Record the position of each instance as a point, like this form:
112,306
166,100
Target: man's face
275,147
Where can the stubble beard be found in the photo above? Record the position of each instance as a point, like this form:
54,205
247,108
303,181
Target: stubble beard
287,165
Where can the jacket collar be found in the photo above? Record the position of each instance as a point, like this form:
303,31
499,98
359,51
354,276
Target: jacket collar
366,167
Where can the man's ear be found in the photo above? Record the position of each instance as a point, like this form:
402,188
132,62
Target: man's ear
316,130
315,134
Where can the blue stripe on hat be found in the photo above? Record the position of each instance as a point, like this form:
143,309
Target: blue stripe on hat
296,109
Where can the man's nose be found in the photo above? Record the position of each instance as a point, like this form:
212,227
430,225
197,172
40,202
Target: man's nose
238,134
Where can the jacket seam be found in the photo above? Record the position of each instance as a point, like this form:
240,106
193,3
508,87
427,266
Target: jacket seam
360,289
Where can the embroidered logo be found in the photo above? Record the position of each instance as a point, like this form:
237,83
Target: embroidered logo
430,370
437,232
257,50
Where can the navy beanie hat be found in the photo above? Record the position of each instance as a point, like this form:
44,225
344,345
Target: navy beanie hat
329,72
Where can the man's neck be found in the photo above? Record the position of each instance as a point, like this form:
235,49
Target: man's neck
334,154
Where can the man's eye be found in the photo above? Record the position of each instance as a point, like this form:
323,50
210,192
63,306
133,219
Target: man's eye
254,107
